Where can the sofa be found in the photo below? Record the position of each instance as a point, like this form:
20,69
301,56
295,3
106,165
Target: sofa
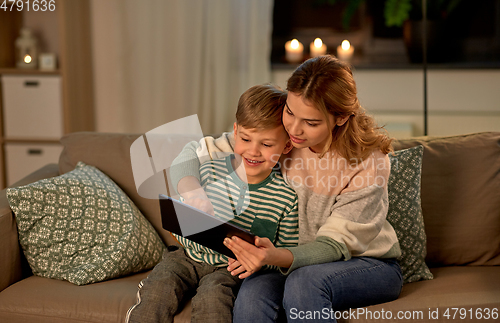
460,199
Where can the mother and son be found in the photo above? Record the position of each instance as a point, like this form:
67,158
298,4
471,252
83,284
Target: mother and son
320,248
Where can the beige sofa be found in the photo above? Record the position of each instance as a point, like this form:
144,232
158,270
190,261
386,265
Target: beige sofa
461,207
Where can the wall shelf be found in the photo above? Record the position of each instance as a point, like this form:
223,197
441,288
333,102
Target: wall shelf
18,71
67,33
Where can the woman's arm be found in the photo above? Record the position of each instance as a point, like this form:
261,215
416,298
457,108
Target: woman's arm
252,257
356,226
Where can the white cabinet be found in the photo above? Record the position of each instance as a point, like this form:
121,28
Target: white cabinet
32,107
463,101
22,159
32,123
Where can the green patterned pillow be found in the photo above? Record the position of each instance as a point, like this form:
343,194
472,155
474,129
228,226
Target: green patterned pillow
81,227
405,212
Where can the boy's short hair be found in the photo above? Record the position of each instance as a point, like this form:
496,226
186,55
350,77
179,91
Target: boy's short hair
261,107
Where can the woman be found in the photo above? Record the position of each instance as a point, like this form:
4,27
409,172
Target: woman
339,168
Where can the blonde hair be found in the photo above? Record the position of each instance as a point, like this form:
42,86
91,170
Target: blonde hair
261,107
328,84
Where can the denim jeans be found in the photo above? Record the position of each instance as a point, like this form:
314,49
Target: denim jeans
313,293
174,280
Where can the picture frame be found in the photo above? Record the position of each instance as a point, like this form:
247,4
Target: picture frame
47,62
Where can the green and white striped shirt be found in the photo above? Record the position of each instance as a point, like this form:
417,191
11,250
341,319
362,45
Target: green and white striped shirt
267,209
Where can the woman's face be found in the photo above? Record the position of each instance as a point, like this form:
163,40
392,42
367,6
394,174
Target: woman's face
305,124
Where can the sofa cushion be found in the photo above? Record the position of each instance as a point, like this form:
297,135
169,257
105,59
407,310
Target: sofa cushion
83,228
43,300
110,152
461,197
405,212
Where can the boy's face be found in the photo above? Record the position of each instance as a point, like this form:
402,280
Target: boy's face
260,150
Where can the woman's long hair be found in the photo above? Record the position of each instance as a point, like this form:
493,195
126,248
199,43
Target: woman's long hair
328,84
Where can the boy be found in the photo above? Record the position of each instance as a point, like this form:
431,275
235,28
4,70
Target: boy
245,190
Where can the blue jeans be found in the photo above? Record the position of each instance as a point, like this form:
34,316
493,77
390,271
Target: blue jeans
317,290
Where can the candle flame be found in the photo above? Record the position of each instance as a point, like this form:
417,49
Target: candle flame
294,44
318,43
346,45
27,59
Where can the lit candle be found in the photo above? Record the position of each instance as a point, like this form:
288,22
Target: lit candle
317,48
294,51
345,51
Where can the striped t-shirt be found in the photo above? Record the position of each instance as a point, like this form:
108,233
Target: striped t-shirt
267,209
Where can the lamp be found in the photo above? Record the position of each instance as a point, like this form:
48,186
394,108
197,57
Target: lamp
26,46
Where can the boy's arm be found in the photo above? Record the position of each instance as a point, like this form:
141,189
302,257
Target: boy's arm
193,194
187,163
288,228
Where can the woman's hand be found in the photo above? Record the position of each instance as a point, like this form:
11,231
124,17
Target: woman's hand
250,257
253,257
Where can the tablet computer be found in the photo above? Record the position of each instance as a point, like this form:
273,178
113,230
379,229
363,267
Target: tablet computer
199,226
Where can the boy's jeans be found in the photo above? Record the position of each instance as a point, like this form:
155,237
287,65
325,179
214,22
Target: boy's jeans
176,278
321,289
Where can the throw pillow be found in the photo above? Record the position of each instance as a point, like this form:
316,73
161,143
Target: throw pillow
81,227
405,212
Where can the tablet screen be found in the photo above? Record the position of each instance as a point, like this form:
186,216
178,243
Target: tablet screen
199,226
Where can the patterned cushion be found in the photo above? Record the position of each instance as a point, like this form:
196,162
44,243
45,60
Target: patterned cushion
405,212
81,227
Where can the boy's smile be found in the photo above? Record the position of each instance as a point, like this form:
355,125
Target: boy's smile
258,151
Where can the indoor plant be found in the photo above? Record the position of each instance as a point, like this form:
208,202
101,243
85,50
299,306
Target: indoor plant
396,12
441,42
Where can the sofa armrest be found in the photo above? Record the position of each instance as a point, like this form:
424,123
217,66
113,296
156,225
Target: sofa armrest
10,252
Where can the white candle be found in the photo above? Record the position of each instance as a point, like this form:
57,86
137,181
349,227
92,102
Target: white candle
345,51
294,51
317,48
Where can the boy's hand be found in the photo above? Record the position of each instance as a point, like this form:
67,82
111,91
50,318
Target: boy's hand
193,194
235,267
199,200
